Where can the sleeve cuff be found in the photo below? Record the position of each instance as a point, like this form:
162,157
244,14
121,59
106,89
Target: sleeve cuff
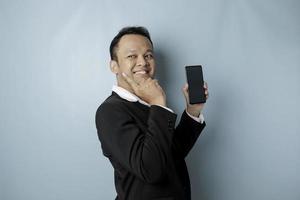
199,119
166,108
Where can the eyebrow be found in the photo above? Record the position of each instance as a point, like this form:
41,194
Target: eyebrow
149,50
133,51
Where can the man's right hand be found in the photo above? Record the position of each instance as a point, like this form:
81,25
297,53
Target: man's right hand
148,90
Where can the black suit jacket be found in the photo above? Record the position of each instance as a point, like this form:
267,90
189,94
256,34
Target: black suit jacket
145,150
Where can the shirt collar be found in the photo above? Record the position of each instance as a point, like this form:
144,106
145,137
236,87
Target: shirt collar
125,94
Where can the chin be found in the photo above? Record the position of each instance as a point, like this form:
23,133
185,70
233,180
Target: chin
138,79
141,75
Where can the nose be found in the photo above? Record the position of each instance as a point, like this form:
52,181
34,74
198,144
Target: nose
141,61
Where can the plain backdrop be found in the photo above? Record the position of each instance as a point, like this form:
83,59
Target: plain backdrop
54,74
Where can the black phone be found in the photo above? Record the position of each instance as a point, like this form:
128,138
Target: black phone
194,76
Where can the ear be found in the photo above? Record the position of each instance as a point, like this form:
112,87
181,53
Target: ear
114,67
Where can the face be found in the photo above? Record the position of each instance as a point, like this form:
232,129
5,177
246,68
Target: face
135,58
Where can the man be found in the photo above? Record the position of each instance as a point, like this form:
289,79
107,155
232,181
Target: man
136,128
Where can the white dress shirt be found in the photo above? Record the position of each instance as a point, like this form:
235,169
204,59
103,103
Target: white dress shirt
125,94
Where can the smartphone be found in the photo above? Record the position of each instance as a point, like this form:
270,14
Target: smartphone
194,76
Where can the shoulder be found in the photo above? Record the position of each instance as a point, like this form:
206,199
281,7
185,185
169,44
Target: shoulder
111,103
113,107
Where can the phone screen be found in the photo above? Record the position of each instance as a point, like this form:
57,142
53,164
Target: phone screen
195,81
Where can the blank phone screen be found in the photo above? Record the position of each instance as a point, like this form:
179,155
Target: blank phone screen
195,81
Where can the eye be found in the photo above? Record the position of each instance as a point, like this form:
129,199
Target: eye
131,56
148,56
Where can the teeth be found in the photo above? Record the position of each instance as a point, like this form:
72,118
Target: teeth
140,72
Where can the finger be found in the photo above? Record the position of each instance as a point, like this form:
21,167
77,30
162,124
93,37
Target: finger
150,80
130,81
186,92
155,81
205,85
186,86
185,89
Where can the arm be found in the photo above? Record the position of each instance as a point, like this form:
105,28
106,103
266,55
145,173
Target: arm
144,154
188,130
186,134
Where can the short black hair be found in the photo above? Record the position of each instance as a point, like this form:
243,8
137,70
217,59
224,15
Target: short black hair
138,30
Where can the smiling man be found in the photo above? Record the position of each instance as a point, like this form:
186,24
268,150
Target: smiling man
137,130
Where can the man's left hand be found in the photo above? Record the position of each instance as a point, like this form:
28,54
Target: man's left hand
194,109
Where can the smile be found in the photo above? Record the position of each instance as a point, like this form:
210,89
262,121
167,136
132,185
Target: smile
141,72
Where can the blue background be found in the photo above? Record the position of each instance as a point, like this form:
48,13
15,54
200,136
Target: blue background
54,63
